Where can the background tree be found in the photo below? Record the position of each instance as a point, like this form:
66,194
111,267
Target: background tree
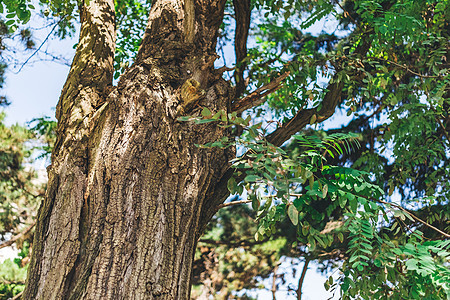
20,192
127,176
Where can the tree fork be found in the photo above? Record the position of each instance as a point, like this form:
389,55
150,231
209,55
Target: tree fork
127,184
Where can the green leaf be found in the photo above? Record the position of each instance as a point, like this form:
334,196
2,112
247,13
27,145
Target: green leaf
231,185
293,214
251,178
353,203
340,237
184,118
206,112
324,190
411,264
255,203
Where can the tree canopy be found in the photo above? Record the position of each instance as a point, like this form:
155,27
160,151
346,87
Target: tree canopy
366,193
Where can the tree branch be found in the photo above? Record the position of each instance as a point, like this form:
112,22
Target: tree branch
92,67
234,203
257,97
242,11
414,217
17,237
18,296
302,278
274,282
303,117
406,68
243,243
329,103
42,44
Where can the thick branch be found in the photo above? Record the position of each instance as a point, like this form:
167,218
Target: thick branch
257,97
303,117
329,103
179,30
242,12
92,66
91,73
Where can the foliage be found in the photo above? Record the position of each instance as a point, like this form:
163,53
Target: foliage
332,190
12,279
19,193
131,17
403,81
14,273
16,12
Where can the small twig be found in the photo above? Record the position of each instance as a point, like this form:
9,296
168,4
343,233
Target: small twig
17,237
224,69
233,244
345,12
59,59
42,44
17,296
335,252
302,278
407,69
234,203
415,218
274,282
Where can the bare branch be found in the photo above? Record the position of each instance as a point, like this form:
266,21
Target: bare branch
257,97
274,282
415,217
303,117
302,278
42,44
18,296
234,203
407,69
243,243
17,237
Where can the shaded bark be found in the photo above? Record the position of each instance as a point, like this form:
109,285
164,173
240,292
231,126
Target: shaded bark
242,11
127,184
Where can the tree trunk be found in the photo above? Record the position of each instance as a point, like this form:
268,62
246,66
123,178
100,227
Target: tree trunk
128,190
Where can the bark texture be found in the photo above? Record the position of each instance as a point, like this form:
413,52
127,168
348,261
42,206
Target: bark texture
127,185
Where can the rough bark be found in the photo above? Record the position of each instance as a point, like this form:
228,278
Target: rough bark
127,185
242,12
